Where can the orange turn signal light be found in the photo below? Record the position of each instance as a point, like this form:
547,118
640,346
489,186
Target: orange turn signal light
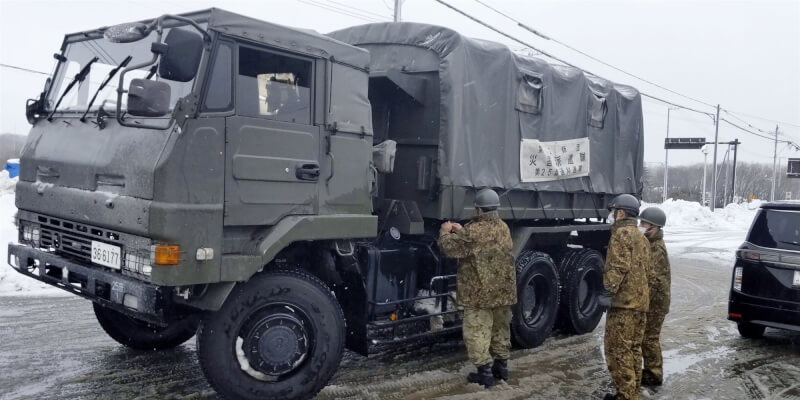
166,254
394,317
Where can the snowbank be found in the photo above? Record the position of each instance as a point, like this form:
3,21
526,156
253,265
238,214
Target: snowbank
694,231
691,215
13,283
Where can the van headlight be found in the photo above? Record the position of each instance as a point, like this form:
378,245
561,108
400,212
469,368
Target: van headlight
737,279
29,233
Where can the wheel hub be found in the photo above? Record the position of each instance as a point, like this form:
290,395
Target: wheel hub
276,344
534,300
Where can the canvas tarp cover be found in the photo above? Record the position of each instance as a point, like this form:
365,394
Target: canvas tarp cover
492,99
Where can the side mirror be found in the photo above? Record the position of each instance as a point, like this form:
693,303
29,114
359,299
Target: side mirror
182,57
148,98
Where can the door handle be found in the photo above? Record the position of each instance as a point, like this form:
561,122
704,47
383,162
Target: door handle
307,172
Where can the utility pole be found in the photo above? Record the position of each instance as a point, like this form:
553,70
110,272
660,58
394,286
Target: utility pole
774,166
398,4
705,164
666,162
733,184
714,167
725,166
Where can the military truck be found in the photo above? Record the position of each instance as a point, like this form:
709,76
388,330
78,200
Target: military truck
278,192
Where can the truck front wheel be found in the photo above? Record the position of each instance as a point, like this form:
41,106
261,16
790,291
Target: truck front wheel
141,335
537,299
278,336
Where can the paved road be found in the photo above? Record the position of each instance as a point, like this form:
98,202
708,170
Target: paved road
52,348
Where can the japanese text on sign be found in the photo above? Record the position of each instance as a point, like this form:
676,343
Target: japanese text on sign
550,161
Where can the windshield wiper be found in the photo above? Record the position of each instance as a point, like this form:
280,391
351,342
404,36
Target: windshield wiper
79,77
105,82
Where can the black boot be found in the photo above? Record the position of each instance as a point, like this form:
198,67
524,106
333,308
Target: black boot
650,379
500,369
610,396
483,376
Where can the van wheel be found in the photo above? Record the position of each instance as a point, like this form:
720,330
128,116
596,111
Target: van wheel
278,336
537,299
141,335
751,331
582,279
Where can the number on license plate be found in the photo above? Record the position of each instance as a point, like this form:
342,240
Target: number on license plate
106,254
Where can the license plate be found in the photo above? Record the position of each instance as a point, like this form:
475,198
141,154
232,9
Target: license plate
106,254
796,278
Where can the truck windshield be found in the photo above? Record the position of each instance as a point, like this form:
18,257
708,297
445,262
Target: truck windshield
777,229
109,55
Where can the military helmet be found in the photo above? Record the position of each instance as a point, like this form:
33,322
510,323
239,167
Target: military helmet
487,199
654,216
625,202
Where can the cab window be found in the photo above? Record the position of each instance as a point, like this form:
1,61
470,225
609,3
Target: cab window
273,86
218,90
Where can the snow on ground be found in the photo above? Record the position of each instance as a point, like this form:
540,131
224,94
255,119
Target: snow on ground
12,282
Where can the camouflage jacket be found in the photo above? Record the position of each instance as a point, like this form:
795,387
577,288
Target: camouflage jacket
658,275
626,267
486,275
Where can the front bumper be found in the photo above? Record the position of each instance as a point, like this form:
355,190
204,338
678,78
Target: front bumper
111,289
763,311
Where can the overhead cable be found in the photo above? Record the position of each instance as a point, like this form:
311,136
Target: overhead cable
546,37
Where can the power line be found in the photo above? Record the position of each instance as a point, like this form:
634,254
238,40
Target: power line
764,119
338,10
788,142
535,32
25,69
746,130
358,10
678,105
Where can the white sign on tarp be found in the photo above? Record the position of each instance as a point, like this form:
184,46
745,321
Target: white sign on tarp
550,161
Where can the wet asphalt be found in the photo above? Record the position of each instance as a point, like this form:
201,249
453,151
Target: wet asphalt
52,348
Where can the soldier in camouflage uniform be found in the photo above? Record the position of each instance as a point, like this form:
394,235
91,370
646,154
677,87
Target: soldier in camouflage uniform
627,295
486,286
652,220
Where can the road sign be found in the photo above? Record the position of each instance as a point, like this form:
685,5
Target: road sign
793,169
684,143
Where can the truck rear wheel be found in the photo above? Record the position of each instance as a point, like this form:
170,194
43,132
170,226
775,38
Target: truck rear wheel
537,299
581,273
141,335
278,336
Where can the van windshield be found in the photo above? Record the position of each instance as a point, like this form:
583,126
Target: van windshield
109,55
777,229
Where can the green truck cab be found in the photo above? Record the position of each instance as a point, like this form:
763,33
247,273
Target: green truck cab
277,192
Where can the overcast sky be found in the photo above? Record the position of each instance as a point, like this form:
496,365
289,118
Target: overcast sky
744,55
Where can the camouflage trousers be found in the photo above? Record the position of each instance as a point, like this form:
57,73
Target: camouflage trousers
623,350
651,345
487,334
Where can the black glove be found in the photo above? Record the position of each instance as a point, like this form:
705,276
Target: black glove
604,299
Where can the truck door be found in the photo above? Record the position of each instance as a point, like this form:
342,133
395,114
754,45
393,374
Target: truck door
272,149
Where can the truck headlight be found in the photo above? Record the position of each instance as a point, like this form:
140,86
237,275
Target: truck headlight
29,233
138,262
737,279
